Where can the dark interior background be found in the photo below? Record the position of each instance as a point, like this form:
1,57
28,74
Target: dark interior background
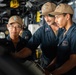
28,12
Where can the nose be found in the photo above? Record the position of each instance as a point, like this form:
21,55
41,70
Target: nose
46,18
14,28
55,20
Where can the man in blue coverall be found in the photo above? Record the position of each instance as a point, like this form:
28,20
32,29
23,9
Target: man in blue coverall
14,43
45,36
65,62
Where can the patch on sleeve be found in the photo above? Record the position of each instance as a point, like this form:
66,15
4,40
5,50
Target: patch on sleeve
65,43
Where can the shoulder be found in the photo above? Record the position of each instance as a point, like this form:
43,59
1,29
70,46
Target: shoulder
42,28
21,39
74,29
26,31
39,30
73,32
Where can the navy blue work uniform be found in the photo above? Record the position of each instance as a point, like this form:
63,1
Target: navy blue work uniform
3,47
26,34
20,45
46,38
66,47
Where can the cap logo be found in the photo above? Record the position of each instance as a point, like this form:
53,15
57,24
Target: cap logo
45,7
58,6
15,18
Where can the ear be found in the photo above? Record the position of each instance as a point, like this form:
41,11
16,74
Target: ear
68,16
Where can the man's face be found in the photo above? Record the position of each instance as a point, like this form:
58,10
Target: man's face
14,29
49,20
61,20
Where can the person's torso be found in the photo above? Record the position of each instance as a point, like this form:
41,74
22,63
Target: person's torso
13,49
48,42
64,48
20,44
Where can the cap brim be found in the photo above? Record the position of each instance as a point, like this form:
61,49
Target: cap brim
42,15
11,22
45,13
14,22
55,13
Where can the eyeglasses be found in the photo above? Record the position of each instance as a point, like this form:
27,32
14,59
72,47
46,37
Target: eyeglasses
16,27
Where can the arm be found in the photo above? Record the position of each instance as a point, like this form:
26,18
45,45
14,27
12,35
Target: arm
71,62
25,52
32,44
50,67
68,65
52,63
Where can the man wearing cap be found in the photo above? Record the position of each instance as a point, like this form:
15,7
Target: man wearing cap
15,42
45,36
66,54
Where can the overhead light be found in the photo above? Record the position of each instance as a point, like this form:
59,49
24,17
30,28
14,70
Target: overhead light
1,0
2,5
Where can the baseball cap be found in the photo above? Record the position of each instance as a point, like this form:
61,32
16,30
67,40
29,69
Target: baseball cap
15,19
63,8
47,8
